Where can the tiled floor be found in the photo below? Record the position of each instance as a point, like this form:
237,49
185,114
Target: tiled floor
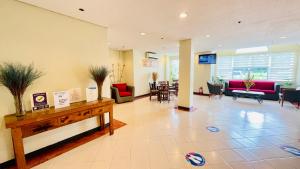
158,137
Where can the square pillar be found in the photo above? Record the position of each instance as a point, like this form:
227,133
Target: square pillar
186,74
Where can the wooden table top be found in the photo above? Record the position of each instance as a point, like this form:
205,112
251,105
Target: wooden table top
11,121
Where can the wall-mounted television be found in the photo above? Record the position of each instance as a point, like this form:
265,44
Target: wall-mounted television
208,59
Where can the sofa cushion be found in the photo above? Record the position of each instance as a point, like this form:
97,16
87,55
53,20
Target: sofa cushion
122,87
124,94
264,85
236,84
236,88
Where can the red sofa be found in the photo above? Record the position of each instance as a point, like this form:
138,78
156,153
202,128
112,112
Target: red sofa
270,88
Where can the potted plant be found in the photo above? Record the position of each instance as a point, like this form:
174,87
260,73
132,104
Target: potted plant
154,77
98,74
16,78
249,81
218,81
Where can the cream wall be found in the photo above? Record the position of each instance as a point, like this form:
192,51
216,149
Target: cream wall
129,72
62,47
117,58
202,74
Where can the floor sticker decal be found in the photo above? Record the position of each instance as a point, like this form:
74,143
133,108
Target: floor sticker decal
290,149
195,159
213,129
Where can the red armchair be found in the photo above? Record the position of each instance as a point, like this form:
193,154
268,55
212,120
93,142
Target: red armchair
121,92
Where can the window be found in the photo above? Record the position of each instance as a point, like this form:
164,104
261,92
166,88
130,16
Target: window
175,69
278,67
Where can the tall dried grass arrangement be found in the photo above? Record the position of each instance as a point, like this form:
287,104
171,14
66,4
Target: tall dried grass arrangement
98,74
16,78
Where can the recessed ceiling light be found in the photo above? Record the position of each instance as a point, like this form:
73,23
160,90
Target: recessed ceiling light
208,36
183,15
283,37
143,33
81,9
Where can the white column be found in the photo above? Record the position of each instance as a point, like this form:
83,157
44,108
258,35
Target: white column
186,74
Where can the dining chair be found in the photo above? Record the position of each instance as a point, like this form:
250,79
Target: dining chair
164,93
153,90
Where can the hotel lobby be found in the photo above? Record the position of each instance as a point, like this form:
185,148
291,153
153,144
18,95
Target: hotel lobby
149,85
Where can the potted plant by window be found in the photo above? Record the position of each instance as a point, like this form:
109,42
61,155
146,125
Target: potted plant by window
16,78
98,74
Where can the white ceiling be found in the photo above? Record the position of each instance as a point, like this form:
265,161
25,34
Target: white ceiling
263,22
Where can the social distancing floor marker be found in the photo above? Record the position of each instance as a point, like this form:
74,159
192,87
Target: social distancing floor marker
290,149
195,159
213,129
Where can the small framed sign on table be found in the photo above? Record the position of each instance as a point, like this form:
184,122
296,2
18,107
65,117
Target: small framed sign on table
61,99
39,101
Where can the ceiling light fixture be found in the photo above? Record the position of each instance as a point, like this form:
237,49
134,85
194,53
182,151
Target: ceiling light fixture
283,37
143,33
252,50
208,36
220,46
81,9
183,15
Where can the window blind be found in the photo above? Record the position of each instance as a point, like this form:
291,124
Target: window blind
273,66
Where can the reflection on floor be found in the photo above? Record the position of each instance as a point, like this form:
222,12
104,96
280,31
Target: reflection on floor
158,137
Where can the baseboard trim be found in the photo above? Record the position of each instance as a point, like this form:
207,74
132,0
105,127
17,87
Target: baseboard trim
44,154
200,94
142,96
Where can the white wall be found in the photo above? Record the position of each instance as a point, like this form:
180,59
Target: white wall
143,75
61,47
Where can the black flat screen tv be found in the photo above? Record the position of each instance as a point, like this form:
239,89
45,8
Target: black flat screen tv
208,59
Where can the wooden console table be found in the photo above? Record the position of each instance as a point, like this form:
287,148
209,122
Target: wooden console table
37,122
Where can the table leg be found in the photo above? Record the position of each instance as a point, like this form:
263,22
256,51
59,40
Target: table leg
111,122
17,139
102,121
234,97
260,100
